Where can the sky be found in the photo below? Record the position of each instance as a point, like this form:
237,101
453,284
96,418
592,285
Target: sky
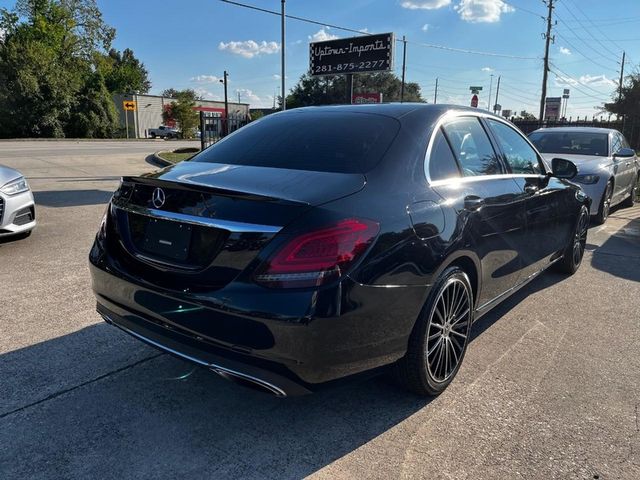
188,44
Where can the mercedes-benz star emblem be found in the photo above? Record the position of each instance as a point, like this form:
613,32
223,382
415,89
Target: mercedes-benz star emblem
158,198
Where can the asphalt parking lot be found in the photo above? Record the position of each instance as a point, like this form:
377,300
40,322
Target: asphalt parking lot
550,386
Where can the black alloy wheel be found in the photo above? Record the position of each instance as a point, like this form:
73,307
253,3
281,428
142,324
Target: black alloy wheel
439,340
605,205
574,252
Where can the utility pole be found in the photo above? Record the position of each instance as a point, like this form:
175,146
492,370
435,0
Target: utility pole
545,73
490,88
404,61
282,61
435,96
621,79
238,96
497,92
225,123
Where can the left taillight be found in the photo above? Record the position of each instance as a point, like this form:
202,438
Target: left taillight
318,257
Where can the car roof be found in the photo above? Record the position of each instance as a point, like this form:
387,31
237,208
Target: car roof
394,110
577,129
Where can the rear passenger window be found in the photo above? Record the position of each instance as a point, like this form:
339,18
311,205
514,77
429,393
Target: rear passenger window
442,163
472,147
520,156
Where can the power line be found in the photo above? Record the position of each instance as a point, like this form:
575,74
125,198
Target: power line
522,9
594,25
566,7
346,29
581,53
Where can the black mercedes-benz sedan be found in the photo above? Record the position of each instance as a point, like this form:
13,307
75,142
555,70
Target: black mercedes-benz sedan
322,242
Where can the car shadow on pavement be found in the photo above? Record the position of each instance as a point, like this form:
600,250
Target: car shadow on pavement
71,198
99,403
620,254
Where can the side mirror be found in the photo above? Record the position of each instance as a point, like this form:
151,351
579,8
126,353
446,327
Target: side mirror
562,168
624,153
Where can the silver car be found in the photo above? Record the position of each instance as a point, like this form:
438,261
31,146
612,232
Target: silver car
608,170
17,208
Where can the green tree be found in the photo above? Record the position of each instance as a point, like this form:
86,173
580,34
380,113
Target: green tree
629,102
332,90
169,93
524,115
257,114
94,114
123,72
51,80
181,110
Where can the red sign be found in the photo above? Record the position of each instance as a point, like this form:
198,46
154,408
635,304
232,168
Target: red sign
474,101
361,98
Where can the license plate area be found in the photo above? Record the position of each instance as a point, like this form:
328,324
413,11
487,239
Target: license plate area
167,239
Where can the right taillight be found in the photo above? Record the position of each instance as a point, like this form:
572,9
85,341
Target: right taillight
318,257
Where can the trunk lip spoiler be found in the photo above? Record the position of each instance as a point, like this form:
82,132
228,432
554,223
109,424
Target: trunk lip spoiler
210,189
229,225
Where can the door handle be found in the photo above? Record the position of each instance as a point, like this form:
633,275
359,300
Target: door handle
473,203
628,164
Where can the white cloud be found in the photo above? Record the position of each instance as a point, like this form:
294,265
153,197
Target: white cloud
278,77
565,51
250,48
207,95
482,11
322,35
591,80
426,27
597,80
205,79
487,69
425,4
247,95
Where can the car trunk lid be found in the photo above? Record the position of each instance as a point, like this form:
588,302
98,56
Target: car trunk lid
202,223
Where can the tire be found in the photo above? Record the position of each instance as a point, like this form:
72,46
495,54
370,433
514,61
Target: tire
439,339
153,135
635,191
574,252
605,205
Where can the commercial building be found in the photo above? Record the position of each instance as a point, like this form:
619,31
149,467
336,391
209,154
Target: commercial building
149,108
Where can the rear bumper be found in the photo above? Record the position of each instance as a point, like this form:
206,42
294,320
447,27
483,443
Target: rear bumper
293,342
189,348
17,213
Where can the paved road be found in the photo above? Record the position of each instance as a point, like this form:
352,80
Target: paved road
550,387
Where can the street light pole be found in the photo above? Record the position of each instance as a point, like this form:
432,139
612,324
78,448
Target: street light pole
282,61
225,123
490,88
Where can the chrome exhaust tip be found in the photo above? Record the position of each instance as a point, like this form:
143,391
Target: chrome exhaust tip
249,381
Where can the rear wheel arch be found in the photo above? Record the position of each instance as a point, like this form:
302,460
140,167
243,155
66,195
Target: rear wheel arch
470,264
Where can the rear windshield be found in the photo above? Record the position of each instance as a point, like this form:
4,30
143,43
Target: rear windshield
571,143
341,142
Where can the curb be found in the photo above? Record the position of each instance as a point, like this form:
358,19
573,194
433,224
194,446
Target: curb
155,158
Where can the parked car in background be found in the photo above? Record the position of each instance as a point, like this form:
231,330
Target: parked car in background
608,169
322,242
17,208
164,132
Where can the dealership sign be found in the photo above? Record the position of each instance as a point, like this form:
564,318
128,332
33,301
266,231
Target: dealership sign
552,108
361,98
369,53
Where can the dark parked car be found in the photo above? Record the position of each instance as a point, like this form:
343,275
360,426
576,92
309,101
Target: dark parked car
321,242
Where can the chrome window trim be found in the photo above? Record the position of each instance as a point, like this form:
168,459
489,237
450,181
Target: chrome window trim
452,115
479,178
230,225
